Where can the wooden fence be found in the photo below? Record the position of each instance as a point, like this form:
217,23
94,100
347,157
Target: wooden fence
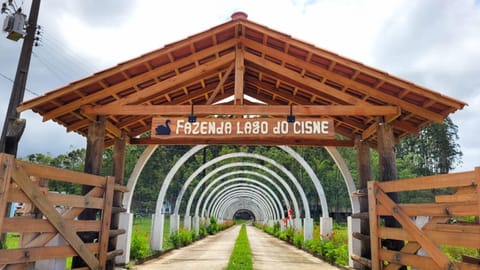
53,215
452,220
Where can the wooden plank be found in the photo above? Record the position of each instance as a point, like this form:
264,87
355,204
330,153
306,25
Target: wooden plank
432,209
220,84
364,174
176,81
6,166
239,74
121,188
262,140
315,128
466,266
335,58
22,225
106,216
22,255
424,240
71,213
461,179
23,181
400,258
61,199
456,198
278,110
374,224
52,173
131,82
345,82
459,239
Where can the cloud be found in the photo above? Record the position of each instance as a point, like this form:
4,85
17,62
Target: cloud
436,44
433,43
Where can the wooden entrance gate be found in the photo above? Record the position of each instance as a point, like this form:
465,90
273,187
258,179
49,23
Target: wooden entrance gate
54,214
449,221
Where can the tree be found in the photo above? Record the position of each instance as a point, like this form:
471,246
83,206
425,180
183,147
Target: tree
434,150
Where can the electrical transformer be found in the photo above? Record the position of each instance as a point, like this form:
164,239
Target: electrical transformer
14,25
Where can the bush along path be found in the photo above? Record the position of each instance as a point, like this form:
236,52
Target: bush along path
241,257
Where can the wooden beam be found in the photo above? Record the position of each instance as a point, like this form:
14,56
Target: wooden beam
335,58
121,86
181,79
93,165
364,175
374,220
302,81
13,256
346,82
220,84
118,171
239,74
284,110
231,140
6,166
106,219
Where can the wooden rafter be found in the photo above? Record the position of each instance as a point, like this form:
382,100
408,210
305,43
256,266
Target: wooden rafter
239,73
300,110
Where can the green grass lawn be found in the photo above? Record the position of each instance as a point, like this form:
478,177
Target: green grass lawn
241,257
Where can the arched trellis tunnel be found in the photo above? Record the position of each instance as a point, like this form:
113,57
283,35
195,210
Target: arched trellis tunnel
158,218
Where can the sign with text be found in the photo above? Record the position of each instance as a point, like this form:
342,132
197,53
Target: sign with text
163,127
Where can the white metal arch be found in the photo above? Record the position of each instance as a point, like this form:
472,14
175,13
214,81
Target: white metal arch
260,195
157,236
234,180
253,165
246,155
273,199
248,203
244,198
228,212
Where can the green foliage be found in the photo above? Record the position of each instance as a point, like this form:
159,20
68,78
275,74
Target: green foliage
433,151
241,257
455,253
213,226
182,238
139,247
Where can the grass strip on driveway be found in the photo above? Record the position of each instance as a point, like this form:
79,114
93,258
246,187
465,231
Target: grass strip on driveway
241,257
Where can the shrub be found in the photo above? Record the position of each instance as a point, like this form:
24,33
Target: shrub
139,245
202,232
298,239
213,226
185,237
175,239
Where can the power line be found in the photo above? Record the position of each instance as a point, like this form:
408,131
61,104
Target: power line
11,80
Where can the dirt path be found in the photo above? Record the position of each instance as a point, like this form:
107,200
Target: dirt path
210,253
269,252
213,253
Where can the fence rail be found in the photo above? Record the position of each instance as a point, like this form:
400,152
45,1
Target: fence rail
452,219
48,216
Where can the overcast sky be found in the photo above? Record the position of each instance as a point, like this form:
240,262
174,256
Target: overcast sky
432,43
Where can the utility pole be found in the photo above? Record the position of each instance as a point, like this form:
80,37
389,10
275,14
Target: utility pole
13,126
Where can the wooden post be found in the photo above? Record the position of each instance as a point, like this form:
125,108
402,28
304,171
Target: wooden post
239,74
364,175
118,172
93,165
388,171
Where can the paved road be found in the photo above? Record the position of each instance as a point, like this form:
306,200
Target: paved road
270,253
213,253
210,253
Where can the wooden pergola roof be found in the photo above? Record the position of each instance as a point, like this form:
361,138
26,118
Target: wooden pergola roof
237,59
